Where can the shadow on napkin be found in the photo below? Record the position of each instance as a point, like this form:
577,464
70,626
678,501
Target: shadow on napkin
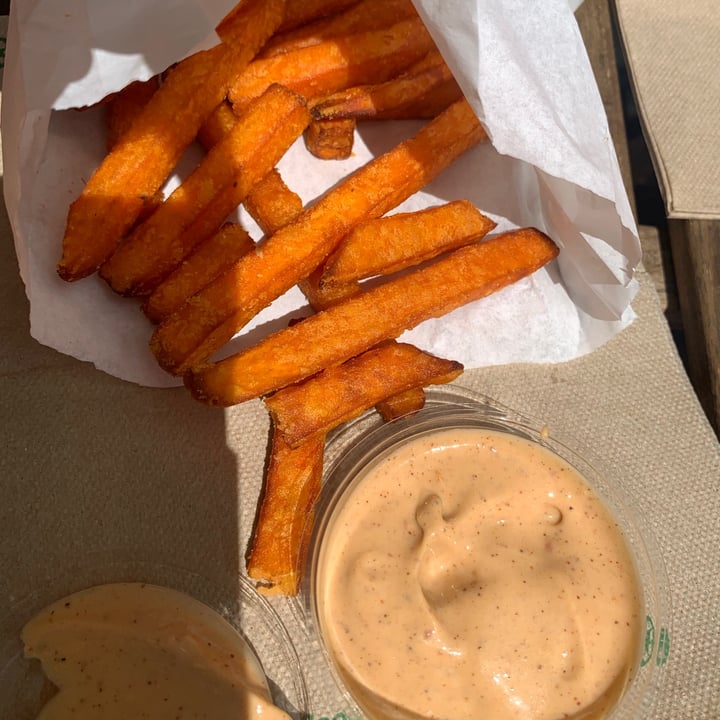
94,468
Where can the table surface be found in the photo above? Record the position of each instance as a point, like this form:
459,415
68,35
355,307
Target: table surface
693,245
95,470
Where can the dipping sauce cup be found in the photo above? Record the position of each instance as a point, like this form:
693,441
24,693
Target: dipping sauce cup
467,563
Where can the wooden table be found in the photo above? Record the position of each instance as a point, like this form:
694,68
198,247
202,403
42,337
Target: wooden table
693,245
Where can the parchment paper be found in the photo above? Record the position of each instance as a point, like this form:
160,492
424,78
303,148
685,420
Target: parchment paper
550,164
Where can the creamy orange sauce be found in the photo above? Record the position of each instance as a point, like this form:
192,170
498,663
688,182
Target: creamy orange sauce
131,650
475,574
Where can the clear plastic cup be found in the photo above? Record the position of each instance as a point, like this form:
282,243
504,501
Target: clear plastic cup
24,689
358,445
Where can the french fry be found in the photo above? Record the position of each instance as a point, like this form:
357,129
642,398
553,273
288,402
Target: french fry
272,204
331,139
335,64
392,97
220,122
300,12
342,392
211,258
201,327
199,205
430,104
385,245
125,106
147,153
360,17
378,314
404,403
279,546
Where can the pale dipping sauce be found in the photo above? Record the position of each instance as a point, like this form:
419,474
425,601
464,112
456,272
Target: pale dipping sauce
132,650
474,574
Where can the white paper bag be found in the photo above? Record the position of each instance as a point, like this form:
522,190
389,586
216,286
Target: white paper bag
550,164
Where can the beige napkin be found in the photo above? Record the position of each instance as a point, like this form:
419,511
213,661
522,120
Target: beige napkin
673,54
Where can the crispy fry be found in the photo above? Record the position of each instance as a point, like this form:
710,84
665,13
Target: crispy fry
383,312
299,12
382,246
390,97
272,204
211,258
343,392
197,208
404,403
125,107
201,327
279,545
332,65
360,17
331,139
147,153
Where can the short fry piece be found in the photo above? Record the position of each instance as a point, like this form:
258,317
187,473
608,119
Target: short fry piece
404,403
201,327
390,97
211,258
378,314
284,523
332,65
196,209
147,153
360,17
382,246
125,106
343,392
272,204
331,139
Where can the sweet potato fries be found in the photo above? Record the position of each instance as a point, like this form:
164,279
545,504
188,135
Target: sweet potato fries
285,70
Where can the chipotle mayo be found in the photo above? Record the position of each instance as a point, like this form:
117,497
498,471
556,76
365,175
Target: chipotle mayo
473,574
131,650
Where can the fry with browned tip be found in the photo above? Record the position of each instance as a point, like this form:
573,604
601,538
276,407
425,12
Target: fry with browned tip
148,152
385,245
342,392
404,403
378,314
285,517
198,206
202,326
379,100
335,64
331,139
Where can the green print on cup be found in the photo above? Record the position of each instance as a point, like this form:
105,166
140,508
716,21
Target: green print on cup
663,645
